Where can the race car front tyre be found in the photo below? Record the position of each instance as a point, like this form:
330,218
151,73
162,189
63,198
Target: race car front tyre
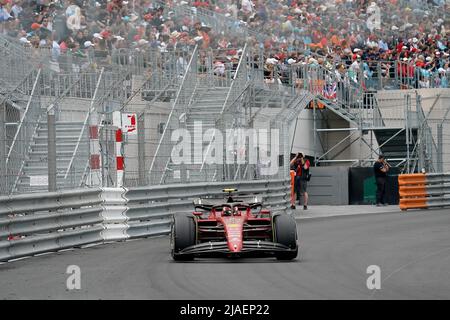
285,232
182,236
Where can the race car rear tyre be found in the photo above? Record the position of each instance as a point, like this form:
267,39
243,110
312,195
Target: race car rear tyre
183,235
285,232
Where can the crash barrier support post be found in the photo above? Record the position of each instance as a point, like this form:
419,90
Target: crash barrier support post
114,214
421,191
36,223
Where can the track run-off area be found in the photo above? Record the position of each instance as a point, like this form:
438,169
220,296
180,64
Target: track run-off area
412,250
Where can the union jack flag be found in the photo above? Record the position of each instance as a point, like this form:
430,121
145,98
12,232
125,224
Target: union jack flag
330,91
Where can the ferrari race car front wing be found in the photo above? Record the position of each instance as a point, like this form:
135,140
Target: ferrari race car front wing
248,248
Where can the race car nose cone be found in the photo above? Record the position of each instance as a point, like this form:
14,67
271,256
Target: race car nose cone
234,247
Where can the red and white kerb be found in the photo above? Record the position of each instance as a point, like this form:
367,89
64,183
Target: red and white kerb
119,157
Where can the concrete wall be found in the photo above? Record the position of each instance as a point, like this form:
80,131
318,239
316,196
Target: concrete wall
328,186
304,134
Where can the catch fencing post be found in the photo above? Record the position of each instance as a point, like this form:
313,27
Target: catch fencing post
119,158
420,133
141,149
407,127
3,173
51,145
96,169
115,220
440,151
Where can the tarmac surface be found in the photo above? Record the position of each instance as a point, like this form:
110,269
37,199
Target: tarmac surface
337,245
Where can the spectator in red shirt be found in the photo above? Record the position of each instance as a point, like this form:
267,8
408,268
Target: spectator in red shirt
301,166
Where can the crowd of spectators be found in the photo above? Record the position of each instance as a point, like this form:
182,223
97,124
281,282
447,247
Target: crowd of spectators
354,39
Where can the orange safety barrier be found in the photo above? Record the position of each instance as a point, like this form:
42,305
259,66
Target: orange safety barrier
412,191
292,189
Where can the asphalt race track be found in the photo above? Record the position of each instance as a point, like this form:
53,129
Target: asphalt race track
412,249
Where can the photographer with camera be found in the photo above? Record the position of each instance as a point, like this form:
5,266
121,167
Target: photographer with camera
381,167
301,166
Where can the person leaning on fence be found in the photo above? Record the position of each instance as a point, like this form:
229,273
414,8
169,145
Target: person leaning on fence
381,167
301,166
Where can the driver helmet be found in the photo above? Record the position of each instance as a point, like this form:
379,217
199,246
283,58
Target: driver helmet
226,211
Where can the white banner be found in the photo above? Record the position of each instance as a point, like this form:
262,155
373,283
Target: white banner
38,181
129,123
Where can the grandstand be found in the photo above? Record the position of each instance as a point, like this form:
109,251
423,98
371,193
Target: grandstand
332,85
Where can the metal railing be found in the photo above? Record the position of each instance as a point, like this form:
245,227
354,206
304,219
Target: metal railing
237,86
149,60
163,151
19,147
13,63
43,222
106,94
80,156
345,94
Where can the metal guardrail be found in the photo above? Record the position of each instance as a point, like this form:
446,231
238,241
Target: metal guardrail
42,222
36,223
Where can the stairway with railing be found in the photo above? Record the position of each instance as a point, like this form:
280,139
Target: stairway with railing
198,92
162,156
23,116
397,130
72,137
256,106
352,101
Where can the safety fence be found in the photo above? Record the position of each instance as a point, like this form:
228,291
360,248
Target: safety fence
185,91
31,224
387,74
188,86
424,111
421,191
18,136
24,138
12,63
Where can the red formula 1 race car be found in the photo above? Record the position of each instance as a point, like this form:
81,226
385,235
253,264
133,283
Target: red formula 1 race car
233,227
